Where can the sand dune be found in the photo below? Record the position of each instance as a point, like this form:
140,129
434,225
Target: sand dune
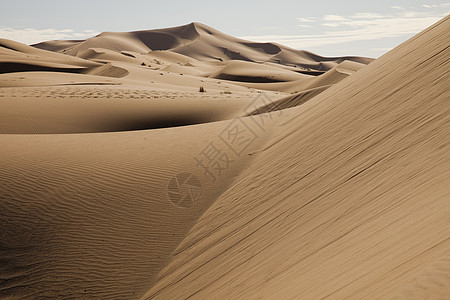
107,233
201,42
250,72
162,170
349,198
17,57
95,108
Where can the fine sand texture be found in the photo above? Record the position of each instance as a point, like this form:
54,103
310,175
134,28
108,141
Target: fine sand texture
348,199
185,163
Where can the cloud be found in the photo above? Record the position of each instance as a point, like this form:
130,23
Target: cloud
31,35
306,20
334,18
435,5
358,27
331,24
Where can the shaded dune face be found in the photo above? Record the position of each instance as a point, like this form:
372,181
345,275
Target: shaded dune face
268,48
108,124
9,67
254,79
233,55
156,40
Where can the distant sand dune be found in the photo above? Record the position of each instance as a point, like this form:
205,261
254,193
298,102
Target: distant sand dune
84,109
201,42
250,72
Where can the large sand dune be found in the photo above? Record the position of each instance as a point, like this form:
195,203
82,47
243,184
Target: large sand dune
348,199
198,41
119,179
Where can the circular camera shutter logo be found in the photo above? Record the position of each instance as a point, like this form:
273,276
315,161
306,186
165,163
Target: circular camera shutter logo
184,190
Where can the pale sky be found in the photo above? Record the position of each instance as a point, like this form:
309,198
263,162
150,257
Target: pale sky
329,28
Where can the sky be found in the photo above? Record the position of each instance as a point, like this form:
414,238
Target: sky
326,27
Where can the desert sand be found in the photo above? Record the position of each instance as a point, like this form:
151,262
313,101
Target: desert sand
185,163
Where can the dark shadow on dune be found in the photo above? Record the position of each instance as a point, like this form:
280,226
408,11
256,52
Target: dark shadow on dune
115,124
310,72
233,55
4,46
268,48
155,123
156,40
127,54
11,67
250,79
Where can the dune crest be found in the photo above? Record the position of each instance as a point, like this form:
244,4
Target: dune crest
201,42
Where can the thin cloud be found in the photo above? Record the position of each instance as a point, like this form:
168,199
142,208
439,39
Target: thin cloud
32,35
358,27
306,20
331,24
436,5
334,18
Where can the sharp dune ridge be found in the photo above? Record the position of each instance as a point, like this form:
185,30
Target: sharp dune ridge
122,174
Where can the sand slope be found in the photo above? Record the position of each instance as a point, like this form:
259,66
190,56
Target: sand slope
89,216
349,199
108,108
